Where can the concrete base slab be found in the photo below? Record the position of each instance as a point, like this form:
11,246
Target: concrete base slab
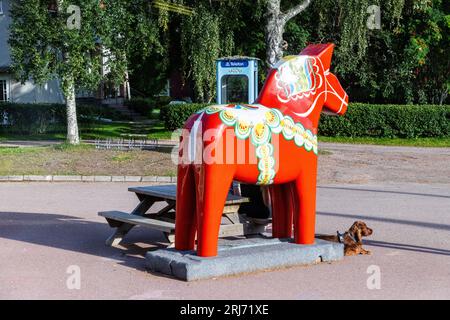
241,256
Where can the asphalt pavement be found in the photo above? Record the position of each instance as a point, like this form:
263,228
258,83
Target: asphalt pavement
50,233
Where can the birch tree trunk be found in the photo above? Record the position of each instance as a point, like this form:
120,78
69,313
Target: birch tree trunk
73,136
276,21
274,33
72,123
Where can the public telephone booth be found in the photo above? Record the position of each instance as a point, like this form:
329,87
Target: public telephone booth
237,79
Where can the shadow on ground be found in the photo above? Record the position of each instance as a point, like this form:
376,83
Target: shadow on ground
407,247
387,191
437,226
78,235
88,237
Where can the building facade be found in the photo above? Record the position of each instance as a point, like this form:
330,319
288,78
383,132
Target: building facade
29,92
12,90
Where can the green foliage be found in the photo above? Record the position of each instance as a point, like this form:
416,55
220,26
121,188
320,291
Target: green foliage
30,119
217,29
175,115
361,120
388,121
143,106
406,61
161,101
44,48
403,62
200,40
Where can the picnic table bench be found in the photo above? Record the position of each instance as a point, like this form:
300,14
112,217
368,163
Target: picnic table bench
233,224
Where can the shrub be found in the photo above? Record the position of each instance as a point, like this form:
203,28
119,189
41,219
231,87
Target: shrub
161,101
91,113
388,121
31,118
361,120
28,118
143,106
175,115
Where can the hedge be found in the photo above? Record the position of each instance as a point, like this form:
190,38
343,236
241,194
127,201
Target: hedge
28,118
361,120
388,121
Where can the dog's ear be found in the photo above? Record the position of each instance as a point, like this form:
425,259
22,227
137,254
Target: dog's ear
355,230
358,236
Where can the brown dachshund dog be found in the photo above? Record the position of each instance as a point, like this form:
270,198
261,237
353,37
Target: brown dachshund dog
352,239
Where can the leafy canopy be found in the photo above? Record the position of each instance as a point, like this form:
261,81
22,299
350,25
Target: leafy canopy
43,47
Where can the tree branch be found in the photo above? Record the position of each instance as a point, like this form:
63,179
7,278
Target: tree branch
295,10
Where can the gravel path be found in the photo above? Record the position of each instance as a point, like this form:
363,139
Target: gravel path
350,163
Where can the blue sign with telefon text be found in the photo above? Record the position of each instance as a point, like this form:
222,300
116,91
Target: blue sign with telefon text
234,63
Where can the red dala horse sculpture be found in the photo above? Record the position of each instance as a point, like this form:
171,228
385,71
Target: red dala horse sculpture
271,143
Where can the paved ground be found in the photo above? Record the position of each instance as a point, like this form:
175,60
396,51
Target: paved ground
47,227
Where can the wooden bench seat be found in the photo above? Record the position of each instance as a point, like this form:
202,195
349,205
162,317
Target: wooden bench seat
156,224
233,224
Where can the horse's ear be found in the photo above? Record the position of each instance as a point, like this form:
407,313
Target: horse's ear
323,51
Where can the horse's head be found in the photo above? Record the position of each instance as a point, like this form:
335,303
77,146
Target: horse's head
301,85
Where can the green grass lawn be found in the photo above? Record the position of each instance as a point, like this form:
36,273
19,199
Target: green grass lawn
126,131
103,130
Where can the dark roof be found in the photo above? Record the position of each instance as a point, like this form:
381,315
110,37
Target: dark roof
5,69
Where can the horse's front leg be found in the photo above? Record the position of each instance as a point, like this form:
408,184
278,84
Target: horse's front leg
212,185
304,218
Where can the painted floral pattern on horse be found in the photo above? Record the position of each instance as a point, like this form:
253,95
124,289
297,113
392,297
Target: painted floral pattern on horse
296,77
257,123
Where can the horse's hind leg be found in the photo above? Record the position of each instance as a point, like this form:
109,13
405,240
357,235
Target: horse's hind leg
185,220
283,207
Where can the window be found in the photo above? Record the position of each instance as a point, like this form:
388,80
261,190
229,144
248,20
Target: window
3,91
235,89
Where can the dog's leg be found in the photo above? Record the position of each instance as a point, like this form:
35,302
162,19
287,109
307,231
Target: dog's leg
351,250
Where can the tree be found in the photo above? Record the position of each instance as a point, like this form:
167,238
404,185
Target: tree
220,28
403,61
79,42
276,22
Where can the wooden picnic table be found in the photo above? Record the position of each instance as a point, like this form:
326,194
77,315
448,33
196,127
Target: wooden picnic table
233,224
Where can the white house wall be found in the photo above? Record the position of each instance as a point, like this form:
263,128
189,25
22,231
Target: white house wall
5,20
32,93
28,92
